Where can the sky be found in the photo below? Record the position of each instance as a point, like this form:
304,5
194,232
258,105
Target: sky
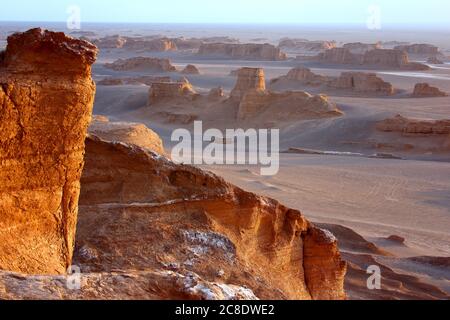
400,12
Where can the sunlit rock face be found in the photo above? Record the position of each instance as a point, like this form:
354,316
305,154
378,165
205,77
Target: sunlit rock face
248,51
46,100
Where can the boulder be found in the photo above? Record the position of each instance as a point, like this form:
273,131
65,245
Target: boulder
132,133
46,99
142,64
424,90
249,51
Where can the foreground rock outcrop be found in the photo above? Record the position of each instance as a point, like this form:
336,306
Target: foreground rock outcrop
424,90
248,51
380,58
142,64
46,99
162,218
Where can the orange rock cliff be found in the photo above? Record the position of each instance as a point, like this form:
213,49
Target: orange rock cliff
46,100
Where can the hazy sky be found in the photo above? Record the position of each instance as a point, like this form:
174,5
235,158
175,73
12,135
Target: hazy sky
411,12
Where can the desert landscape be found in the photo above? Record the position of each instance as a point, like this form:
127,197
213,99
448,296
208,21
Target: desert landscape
88,180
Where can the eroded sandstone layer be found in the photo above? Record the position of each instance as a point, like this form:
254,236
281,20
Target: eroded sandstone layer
193,235
170,91
46,99
411,127
424,90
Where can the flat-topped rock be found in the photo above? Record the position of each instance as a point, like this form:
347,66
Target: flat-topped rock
142,64
248,51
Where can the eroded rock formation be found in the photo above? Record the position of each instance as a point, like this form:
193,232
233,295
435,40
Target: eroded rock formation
419,48
409,127
132,133
434,60
216,94
141,64
190,69
248,51
306,45
181,221
168,91
424,90
357,82
248,79
361,48
380,58
46,99
144,80
253,99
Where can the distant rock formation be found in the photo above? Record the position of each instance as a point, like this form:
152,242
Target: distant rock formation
131,133
381,58
410,127
214,234
166,91
306,45
47,95
248,79
248,51
362,82
419,49
361,48
150,45
144,80
253,98
190,69
142,63
434,60
424,90
110,42
358,82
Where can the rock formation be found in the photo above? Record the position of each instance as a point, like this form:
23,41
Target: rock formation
358,82
181,221
410,127
167,91
249,51
434,60
248,79
380,58
141,64
305,45
253,99
362,82
361,48
190,69
46,99
150,45
424,90
419,49
130,133
110,42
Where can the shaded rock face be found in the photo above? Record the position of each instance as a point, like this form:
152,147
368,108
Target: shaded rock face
412,127
166,91
419,48
46,100
363,82
249,51
182,221
248,79
131,133
381,58
142,63
424,90
190,69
